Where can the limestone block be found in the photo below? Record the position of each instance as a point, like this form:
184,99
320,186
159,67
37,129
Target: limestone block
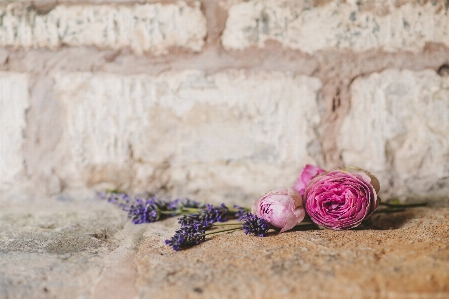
236,131
336,25
65,244
398,127
144,28
14,100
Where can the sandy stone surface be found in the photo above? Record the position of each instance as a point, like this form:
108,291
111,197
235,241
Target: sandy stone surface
87,249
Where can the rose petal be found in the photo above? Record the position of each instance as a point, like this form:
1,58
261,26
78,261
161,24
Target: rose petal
307,174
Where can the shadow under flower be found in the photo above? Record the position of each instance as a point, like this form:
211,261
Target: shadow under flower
308,227
388,221
378,221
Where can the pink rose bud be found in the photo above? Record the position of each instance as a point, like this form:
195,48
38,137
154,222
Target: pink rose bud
342,198
307,174
281,208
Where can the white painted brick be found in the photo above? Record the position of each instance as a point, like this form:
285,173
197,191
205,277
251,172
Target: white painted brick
398,127
144,28
14,100
246,130
334,26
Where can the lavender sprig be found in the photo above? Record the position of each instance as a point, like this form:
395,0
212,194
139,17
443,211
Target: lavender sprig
193,227
186,237
241,212
147,210
254,225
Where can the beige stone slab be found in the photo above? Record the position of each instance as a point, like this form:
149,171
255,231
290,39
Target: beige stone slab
187,132
150,28
397,127
14,101
382,25
57,249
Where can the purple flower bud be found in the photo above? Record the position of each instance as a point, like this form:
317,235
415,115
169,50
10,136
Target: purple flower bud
307,174
342,198
281,208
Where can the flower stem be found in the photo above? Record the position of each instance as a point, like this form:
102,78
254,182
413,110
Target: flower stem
227,224
388,210
174,212
222,231
190,210
398,205
305,223
233,211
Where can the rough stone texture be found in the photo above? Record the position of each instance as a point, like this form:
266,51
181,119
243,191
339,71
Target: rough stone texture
220,101
14,100
187,132
84,249
397,127
57,249
300,25
143,28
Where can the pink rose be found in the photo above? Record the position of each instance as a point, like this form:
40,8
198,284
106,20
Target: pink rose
307,174
342,198
281,208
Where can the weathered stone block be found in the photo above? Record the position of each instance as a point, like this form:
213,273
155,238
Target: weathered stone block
234,132
14,100
144,28
398,127
336,25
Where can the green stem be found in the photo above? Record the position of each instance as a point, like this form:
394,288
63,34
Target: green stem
387,211
178,213
305,223
412,205
169,212
233,211
222,231
226,224
193,210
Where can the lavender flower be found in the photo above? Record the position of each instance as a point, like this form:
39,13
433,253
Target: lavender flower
145,210
195,215
241,212
205,218
215,214
254,225
121,199
140,210
195,220
183,203
185,237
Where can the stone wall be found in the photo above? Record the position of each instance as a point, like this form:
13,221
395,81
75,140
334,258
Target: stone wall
221,100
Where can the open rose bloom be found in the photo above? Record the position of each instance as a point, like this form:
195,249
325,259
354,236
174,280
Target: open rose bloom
281,208
342,198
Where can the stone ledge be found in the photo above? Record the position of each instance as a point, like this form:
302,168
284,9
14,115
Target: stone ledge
403,255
